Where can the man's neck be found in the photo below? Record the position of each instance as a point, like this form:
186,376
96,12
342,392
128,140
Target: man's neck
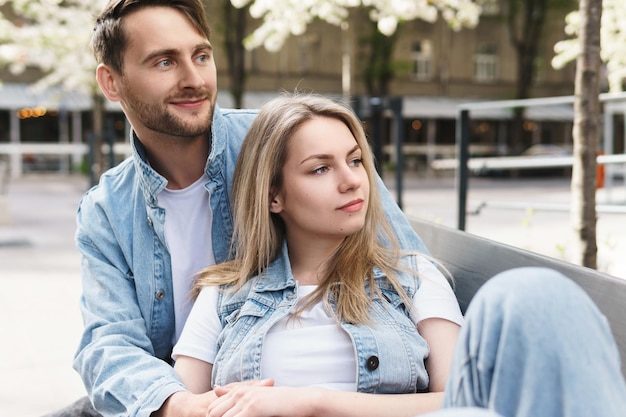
180,161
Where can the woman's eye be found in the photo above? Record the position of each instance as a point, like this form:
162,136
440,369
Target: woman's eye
356,162
320,170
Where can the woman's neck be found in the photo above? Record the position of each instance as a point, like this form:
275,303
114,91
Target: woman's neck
309,259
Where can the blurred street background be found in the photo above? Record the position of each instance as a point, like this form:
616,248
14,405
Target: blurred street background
424,80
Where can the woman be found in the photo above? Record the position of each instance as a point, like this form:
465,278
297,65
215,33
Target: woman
320,306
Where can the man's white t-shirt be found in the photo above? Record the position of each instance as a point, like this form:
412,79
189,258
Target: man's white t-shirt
188,218
290,345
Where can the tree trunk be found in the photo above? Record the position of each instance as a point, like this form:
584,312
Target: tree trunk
96,162
378,69
234,30
586,134
525,22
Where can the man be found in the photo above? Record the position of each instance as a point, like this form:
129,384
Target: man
163,214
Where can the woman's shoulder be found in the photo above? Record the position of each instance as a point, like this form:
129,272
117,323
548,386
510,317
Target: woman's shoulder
233,295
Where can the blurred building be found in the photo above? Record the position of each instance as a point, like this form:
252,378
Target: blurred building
434,70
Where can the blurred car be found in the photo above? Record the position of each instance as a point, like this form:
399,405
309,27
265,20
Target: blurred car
544,149
540,150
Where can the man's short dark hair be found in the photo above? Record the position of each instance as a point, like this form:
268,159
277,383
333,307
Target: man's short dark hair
109,40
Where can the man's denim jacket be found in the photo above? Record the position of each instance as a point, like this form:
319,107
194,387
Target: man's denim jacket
127,302
390,353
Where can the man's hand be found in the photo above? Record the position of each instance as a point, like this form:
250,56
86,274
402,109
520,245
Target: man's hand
263,401
187,404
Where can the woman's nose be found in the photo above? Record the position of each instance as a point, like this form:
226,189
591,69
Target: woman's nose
350,179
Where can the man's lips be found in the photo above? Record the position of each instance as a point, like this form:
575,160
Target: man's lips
353,205
191,103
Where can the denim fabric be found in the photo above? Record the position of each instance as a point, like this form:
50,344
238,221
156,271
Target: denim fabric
535,345
462,412
389,351
127,301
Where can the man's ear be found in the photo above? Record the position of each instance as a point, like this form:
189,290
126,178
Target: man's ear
107,81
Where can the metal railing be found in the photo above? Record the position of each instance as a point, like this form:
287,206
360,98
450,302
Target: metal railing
463,135
15,152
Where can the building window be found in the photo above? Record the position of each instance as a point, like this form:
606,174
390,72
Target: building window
422,54
486,63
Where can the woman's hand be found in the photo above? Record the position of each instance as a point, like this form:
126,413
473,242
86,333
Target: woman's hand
260,400
245,400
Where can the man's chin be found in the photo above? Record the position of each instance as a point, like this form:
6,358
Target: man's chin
195,128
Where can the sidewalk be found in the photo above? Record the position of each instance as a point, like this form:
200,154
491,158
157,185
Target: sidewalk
40,274
40,271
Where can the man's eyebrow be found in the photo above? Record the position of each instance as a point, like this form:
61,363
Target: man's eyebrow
159,53
173,52
205,45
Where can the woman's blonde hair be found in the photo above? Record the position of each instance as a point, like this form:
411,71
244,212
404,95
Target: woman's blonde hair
258,234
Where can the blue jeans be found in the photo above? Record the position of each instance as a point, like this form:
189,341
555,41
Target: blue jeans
535,345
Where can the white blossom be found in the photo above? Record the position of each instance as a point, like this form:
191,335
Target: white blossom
52,35
612,36
276,15
387,25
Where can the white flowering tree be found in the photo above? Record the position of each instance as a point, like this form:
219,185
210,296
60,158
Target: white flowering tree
53,36
613,39
283,18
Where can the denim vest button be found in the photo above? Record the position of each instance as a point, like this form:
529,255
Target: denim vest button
149,221
160,295
372,363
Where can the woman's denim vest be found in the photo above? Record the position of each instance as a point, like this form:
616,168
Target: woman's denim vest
389,351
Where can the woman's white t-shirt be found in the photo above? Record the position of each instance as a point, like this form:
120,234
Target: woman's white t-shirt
290,345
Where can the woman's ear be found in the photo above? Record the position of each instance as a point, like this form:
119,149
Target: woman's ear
276,205
107,81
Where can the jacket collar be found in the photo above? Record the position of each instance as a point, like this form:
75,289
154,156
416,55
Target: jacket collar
152,183
278,276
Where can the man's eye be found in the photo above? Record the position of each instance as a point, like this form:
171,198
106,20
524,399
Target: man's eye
164,63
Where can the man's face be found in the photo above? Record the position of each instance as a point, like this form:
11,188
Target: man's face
169,84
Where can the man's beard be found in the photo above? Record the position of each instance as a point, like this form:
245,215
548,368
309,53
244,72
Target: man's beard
157,117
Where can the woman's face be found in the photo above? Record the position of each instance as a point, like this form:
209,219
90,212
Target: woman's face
325,188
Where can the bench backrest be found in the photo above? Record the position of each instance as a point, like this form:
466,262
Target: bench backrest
472,260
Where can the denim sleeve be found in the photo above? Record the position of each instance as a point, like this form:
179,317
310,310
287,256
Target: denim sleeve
406,235
116,357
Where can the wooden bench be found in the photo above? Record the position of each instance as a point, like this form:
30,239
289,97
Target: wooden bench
472,260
